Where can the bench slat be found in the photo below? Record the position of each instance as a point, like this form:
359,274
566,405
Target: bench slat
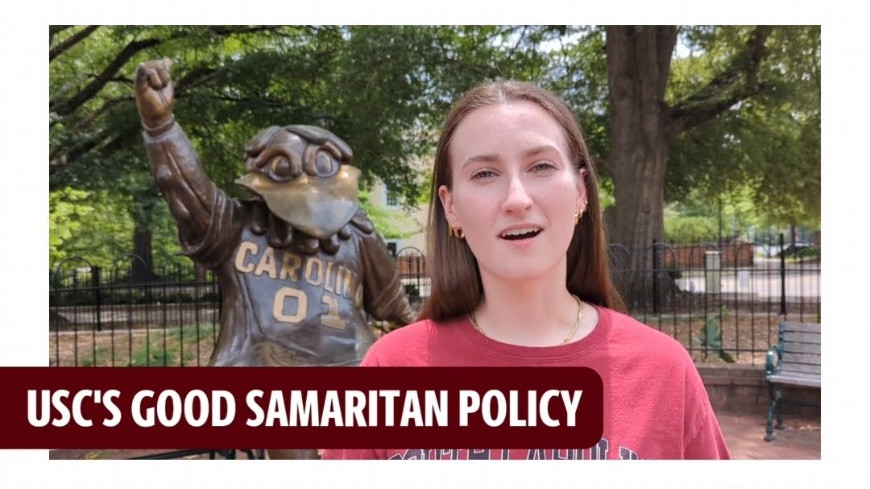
800,359
792,347
802,327
811,338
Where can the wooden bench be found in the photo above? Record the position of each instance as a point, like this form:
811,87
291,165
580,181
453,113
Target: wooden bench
795,361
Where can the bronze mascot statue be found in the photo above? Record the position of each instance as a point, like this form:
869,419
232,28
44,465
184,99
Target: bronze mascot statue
300,266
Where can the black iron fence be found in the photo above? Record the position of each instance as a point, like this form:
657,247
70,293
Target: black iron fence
722,303
108,317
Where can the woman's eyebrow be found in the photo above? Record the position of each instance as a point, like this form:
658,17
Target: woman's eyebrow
486,158
544,148
489,158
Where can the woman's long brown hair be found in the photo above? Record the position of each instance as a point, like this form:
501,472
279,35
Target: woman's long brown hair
456,285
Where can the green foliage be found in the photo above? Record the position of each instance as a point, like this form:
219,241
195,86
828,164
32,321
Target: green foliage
764,150
711,337
711,334
385,90
605,192
98,227
67,207
578,72
391,223
87,224
696,217
690,229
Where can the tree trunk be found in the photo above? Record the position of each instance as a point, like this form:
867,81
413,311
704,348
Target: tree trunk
142,211
638,67
642,129
200,271
142,261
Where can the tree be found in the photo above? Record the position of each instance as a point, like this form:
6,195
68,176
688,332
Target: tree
95,141
737,113
752,107
383,89
765,150
643,125
705,121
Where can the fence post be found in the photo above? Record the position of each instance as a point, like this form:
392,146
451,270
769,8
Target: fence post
655,284
712,272
782,274
95,283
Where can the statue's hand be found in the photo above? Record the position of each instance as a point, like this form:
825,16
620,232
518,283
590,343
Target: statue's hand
154,94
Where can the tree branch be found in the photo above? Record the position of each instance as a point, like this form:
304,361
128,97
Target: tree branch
91,89
66,107
60,157
228,30
193,79
108,104
103,146
56,29
736,82
71,41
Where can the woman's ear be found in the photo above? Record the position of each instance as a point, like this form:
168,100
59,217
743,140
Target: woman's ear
447,202
582,198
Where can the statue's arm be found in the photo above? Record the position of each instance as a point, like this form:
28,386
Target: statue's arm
383,295
202,211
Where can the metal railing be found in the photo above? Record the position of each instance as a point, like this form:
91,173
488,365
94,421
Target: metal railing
109,318
722,303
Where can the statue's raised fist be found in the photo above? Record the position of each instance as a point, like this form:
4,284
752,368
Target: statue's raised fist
154,93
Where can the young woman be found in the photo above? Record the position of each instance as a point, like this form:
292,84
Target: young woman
520,276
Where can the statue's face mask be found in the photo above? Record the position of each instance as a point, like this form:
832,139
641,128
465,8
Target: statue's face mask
298,172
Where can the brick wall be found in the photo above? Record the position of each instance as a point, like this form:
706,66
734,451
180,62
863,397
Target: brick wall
692,256
741,388
411,266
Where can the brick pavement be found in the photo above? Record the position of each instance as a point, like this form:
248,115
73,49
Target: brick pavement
801,438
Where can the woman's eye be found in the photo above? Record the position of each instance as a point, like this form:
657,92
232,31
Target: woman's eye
482,175
543,166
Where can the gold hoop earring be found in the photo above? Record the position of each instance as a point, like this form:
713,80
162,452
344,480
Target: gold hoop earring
455,232
579,213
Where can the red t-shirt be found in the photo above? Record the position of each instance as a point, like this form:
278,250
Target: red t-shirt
655,404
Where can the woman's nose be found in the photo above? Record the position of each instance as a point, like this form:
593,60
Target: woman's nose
517,198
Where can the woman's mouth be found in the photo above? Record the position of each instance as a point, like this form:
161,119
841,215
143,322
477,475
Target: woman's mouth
520,233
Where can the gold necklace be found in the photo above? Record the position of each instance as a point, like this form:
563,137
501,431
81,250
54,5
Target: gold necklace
568,338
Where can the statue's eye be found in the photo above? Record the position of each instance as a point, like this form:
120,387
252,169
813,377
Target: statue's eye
280,166
325,165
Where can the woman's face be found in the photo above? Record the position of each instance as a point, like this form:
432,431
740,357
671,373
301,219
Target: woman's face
515,190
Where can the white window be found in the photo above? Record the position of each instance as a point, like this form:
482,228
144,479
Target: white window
392,199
